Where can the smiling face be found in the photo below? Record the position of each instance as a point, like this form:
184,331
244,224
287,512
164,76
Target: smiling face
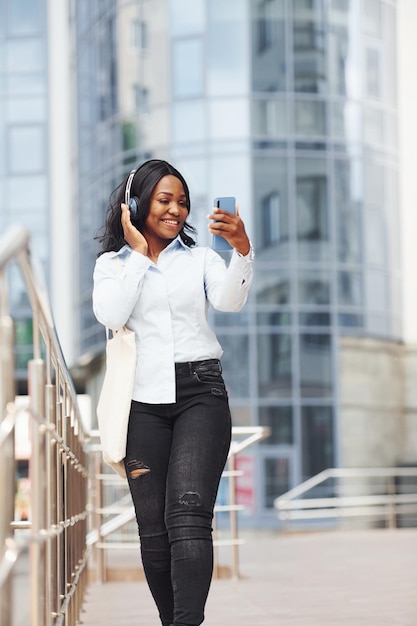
167,212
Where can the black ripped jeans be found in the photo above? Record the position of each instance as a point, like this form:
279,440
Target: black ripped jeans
174,460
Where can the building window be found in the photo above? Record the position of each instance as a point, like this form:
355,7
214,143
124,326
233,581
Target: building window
275,365
188,68
141,96
317,439
277,479
315,365
271,219
139,35
312,208
266,31
373,73
280,420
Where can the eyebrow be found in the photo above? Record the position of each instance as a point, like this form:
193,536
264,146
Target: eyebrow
168,193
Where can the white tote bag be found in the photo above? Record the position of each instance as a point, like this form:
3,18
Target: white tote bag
113,407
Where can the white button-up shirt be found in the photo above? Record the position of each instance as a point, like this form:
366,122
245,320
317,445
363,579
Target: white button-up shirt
166,304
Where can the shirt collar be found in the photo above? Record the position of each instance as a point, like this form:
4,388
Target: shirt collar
175,243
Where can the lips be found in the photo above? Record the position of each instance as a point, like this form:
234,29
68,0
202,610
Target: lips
171,223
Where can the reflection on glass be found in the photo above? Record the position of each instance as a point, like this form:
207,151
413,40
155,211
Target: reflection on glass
187,66
226,65
372,17
23,16
312,210
186,17
310,118
27,192
272,216
317,439
25,56
236,352
390,60
274,318
346,121
189,121
373,126
269,46
139,33
375,237
348,199
280,420
25,84
309,46
314,287
269,117
374,177
338,47
228,118
376,290
26,110
315,365
277,479
266,32
350,320
373,72
225,319
271,206
26,149
349,288
272,286
314,318
275,365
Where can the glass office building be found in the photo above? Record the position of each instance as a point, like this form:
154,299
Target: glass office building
291,107
24,194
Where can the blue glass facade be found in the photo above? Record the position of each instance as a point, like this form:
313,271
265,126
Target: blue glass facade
24,142
291,107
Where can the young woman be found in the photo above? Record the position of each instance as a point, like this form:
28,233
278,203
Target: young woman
152,278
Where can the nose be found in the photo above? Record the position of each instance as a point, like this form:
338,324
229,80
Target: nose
174,208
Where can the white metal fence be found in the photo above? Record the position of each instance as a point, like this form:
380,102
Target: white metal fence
385,496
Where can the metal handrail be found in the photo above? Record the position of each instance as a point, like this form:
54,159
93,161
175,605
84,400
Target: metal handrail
361,500
58,463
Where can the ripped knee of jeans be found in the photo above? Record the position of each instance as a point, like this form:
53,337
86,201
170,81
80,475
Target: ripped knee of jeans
190,498
136,469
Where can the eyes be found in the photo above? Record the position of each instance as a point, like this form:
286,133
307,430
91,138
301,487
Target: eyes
166,202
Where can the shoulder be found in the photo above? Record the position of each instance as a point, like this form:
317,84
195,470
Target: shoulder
110,260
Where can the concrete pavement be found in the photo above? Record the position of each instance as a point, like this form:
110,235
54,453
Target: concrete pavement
361,578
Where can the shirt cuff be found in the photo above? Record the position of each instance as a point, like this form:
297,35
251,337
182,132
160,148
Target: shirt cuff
250,256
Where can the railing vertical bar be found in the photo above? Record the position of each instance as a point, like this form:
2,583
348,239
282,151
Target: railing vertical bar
7,466
50,400
37,482
233,515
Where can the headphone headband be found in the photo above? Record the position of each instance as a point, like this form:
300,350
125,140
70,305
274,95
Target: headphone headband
129,185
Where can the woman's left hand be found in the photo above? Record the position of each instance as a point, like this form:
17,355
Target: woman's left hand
231,227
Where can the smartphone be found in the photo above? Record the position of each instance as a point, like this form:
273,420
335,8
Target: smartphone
227,204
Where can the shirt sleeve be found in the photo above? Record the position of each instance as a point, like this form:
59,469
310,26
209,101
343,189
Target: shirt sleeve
227,287
117,285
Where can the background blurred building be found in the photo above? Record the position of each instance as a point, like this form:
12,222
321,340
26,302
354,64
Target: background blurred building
291,106
35,157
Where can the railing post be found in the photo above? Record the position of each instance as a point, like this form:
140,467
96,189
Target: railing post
36,376
233,514
391,507
7,469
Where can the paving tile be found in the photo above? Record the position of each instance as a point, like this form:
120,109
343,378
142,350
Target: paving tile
361,578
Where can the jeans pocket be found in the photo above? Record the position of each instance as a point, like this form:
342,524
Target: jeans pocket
209,376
